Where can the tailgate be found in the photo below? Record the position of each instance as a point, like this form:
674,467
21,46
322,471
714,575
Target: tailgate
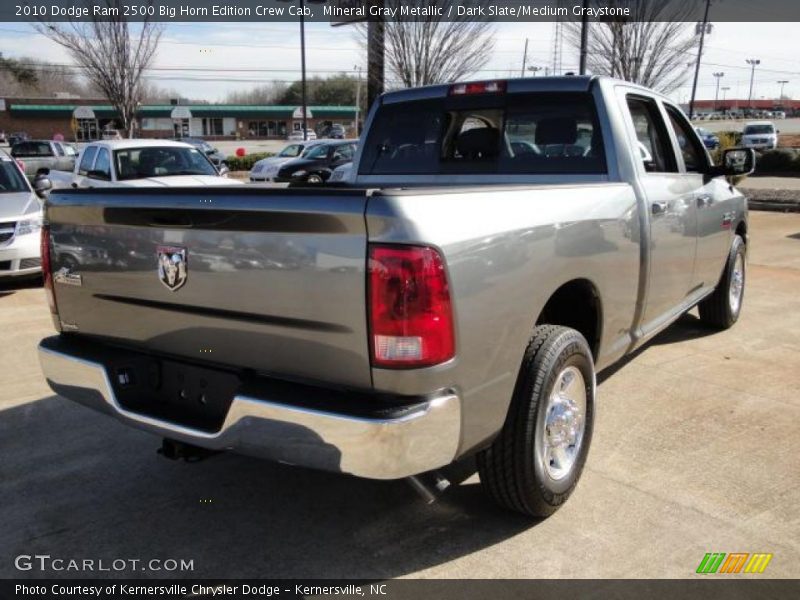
263,279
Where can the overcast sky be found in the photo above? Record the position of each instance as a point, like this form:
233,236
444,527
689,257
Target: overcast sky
207,60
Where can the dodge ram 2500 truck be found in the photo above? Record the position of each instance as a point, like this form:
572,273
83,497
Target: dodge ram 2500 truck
498,244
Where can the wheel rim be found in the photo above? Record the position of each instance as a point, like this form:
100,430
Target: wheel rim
315,179
564,424
736,288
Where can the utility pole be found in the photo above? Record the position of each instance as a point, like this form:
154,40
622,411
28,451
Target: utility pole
524,58
717,76
782,83
753,62
724,93
358,99
584,36
303,61
703,29
376,36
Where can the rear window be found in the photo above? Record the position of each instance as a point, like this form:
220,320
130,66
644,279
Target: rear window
544,133
31,150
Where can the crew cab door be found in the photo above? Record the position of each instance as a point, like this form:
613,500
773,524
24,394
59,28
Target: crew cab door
713,198
672,212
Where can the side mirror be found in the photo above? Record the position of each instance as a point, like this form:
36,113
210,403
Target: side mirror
224,170
42,186
736,162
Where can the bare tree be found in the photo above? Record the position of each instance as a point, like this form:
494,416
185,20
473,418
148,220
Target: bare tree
430,49
653,47
112,54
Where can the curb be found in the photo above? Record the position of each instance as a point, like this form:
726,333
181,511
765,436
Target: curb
773,200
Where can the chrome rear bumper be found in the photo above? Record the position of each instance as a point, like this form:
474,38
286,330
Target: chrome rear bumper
423,439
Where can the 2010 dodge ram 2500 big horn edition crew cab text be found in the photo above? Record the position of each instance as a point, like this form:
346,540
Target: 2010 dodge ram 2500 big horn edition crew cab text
496,245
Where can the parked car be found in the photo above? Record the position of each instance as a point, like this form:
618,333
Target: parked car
451,307
16,137
341,174
710,139
266,169
20,222
216,156
334,132
35,155
760,135
297,135
316,165
111,134
779,114
138,163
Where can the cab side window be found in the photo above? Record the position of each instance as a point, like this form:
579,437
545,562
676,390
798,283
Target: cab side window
654,147
87,160
102,166
694,157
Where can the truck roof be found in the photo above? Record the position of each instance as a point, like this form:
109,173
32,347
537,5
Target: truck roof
139,143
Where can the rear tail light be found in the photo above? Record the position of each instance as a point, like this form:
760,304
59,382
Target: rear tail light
47,272
478,87
411,317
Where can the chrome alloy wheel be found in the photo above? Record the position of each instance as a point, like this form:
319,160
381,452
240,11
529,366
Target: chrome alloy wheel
736,288
564,423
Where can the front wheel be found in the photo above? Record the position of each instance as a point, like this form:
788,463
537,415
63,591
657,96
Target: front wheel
722,308
314,178
535,462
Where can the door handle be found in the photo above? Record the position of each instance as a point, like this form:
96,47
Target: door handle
704,200
659,208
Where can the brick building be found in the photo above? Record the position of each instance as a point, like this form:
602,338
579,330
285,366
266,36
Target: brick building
790,107
79,119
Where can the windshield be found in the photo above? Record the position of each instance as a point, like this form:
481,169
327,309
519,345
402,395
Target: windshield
317,152
138,163
11,180
751,129
291,151
537,133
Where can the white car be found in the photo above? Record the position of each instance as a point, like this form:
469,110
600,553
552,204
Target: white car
341,173
779,114
140,163
266,169
20,222
760,135
297,136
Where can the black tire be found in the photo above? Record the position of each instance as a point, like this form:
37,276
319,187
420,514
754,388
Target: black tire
718,310
512,470
315,179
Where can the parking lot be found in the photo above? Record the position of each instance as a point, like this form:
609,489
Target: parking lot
695,450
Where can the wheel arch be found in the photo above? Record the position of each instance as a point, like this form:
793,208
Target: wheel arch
576,304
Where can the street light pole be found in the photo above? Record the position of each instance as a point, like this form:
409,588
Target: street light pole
753,62
584,36
717,76
358,98
303,61
699,58
782,82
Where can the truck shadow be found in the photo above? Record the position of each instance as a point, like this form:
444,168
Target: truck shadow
687,327
78,484
12,285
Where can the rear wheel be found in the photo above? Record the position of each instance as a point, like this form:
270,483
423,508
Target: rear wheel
722,308
535,462
314,178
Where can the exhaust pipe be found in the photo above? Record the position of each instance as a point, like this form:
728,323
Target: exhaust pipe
175,450
429,485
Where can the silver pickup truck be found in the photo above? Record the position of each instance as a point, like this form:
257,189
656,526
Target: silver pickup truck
498,243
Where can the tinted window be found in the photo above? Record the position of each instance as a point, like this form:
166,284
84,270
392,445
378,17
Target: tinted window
87,159
103,164
31,149
320,151
654,149
694,157
161,161
749,130
542,133
291,151
345,152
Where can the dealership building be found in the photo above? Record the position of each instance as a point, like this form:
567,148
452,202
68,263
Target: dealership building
81,120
